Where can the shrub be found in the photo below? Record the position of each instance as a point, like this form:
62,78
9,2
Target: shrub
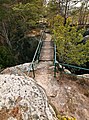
6,57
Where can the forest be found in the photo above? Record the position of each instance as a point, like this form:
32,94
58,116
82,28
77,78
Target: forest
68,21
17,20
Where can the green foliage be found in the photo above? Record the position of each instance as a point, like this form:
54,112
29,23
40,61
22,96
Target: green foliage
30,12
17,18
65,118
5,8
56,21
52,8
67,39
67,36
51,12
6,57
5,1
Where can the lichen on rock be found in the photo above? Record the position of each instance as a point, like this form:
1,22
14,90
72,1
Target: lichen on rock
23,99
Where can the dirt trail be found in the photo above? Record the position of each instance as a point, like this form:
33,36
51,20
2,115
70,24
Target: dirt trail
44,74
66,94
47,49
69,95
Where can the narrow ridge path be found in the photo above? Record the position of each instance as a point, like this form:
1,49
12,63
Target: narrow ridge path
44,74
47,49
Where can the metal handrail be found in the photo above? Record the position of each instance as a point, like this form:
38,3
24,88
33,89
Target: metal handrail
38,49
56,63
73,66
55,59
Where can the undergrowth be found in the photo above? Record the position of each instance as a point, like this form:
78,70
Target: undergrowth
60,116
65,118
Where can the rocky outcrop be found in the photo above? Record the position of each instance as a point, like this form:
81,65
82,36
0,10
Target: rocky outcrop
18,69
83,76
21,98
68,94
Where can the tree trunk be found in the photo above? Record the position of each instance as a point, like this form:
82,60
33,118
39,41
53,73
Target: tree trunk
6,36
65,15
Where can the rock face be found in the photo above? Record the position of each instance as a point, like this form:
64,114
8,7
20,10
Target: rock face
21,98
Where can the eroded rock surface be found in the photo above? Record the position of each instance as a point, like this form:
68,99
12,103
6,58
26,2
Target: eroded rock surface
18,69
69,95
21,98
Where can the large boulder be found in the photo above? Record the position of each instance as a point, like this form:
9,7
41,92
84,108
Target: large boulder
21,98
18,69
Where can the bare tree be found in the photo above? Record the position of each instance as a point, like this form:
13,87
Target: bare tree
83,13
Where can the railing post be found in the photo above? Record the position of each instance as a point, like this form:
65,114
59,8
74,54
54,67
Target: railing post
33,71
36,56
55,60
55,70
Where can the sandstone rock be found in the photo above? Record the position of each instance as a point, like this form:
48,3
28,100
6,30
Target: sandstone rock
18,69
67,71
24,99
65,94
83,76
